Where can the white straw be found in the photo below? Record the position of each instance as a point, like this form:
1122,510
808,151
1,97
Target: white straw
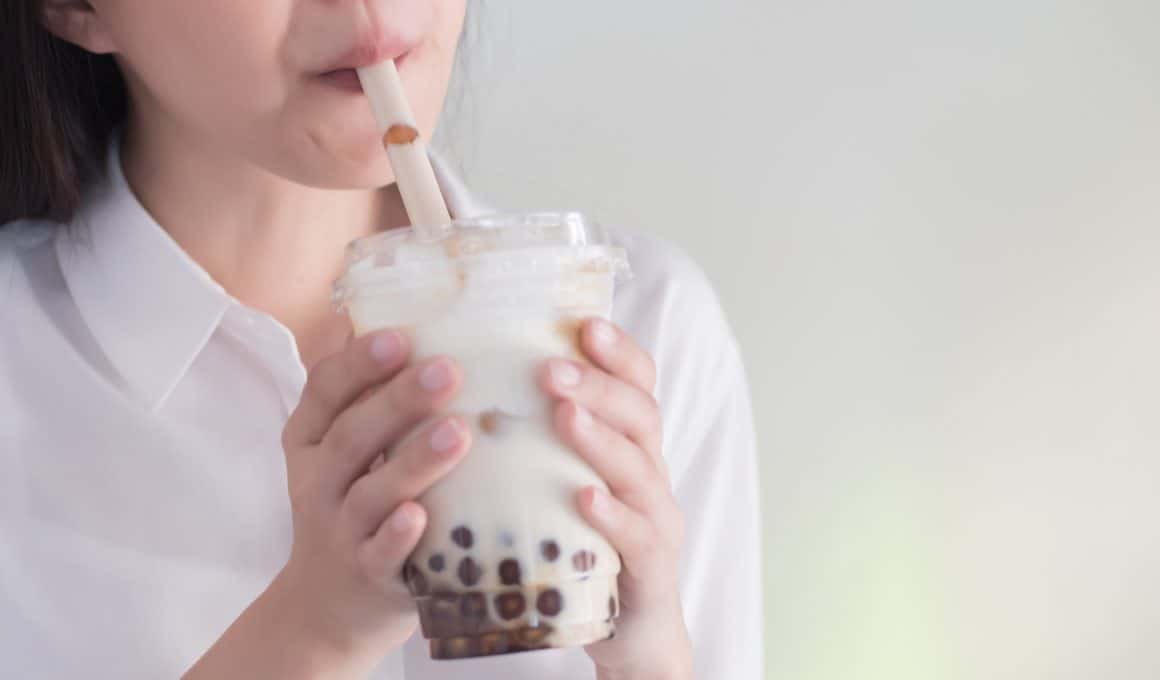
406,149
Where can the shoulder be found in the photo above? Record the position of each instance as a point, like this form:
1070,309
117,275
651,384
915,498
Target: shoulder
669,304
22,244
659,267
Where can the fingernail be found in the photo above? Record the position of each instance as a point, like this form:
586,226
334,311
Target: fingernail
385,346
583,418
564,373
445,437
402,519
435,377
603,334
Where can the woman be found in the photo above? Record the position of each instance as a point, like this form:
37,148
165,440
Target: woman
179,182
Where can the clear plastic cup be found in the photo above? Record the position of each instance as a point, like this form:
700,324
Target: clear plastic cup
506,563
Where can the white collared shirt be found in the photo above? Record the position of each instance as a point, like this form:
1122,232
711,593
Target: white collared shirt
143,495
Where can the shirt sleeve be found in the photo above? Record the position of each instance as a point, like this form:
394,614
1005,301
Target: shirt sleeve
711,451
715,482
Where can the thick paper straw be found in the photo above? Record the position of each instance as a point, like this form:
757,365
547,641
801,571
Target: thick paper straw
406,149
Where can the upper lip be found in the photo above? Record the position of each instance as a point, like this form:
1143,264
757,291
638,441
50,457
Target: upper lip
368,53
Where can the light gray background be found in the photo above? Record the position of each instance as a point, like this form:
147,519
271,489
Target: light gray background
935,227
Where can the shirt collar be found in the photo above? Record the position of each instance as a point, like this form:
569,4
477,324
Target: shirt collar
147,303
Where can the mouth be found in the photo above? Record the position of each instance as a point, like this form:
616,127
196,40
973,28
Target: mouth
346,78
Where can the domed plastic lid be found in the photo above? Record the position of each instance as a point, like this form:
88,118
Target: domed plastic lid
493,246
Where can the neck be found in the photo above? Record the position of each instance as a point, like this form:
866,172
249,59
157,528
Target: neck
273,244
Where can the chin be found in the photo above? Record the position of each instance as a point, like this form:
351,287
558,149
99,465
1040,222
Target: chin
345,177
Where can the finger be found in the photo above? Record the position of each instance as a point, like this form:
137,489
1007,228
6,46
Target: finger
623,406
618,461
382,555
376,423
336,381
613,350
643,548
417,463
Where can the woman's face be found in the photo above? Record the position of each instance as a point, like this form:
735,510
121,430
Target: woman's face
272,81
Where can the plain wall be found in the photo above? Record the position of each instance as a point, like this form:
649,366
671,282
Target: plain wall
935,227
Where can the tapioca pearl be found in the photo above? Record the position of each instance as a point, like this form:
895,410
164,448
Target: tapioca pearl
469,572
473,607
495,422
549,550
584,560
509,572
569,330
462,537
436,562
443,612
456,647
510,605
494,643
534,635
550,602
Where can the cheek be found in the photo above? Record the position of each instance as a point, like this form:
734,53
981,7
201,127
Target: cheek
212,64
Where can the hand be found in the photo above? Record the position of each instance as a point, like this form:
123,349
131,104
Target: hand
355,520
608,414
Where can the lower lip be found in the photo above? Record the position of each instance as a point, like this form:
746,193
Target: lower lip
346,79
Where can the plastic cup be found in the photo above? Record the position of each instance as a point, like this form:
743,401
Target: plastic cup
506,563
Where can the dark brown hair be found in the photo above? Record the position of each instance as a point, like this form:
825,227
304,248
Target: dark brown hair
58,106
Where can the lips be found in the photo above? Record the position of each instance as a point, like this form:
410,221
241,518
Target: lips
344,74
371,51
343,79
